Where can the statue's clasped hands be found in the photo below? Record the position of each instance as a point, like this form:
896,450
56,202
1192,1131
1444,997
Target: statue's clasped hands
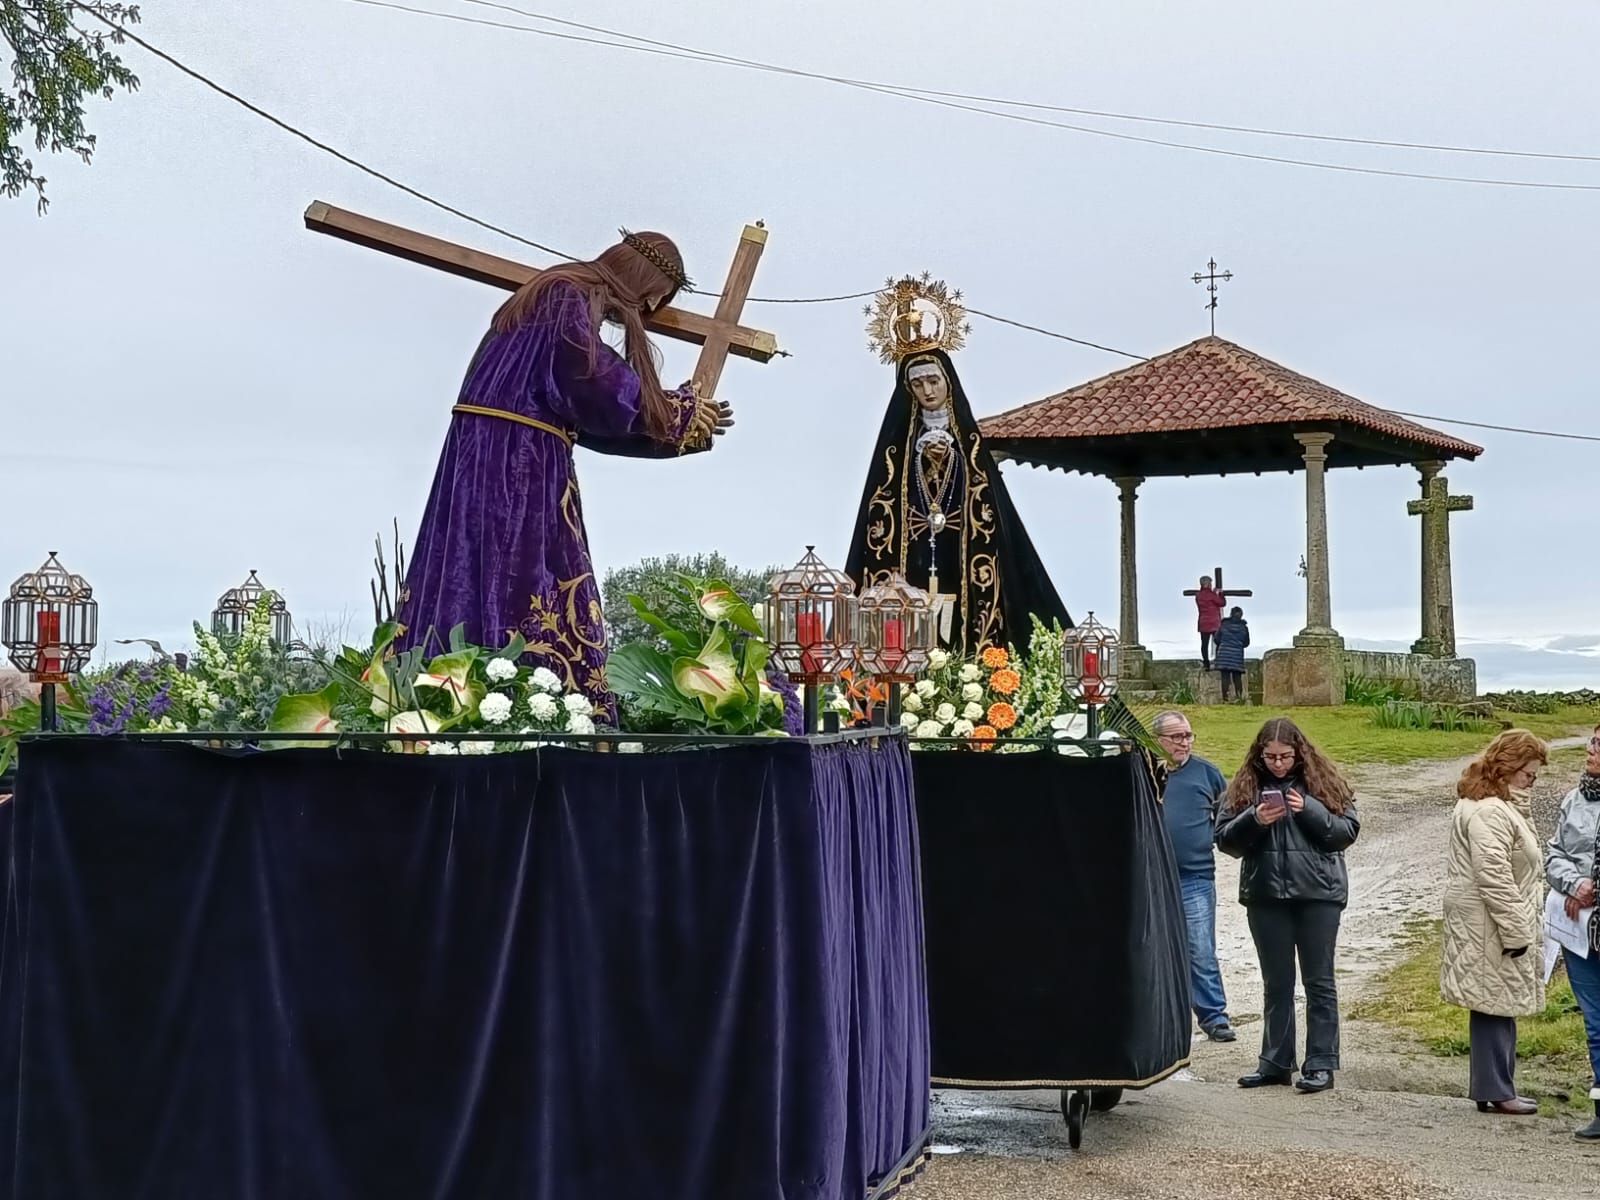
711,419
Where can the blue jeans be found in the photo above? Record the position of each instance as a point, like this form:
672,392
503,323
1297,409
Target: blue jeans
1584,974
1205,977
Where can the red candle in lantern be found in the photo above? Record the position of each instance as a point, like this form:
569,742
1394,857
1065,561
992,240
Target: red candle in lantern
1091,665
49,640
894,643
808,630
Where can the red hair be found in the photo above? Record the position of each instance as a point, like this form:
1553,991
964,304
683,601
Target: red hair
1490,773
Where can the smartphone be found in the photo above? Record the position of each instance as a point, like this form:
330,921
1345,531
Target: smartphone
1272,798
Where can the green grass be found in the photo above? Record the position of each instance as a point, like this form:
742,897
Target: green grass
1347,735
1552,1051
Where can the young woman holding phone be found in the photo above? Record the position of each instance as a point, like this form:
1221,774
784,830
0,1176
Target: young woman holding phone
1289,816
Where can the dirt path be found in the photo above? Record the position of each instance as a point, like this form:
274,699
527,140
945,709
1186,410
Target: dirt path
1395,1126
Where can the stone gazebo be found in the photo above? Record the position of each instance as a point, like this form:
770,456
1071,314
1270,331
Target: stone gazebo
1215,408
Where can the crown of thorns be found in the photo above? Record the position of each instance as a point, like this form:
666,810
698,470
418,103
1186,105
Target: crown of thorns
658,260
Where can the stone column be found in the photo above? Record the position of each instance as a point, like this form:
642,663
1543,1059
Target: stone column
1319,630
1128,490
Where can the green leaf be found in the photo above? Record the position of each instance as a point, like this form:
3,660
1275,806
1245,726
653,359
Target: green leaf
645,673
712,676
678,641
720,602
451,674
310,712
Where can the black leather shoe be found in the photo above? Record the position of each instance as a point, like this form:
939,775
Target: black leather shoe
1315,1081
1263,1079
1222,1032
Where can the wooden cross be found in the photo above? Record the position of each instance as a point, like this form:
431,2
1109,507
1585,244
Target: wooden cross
1216,584
1210,280
718,335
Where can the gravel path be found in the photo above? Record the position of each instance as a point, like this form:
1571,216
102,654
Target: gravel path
1395,1126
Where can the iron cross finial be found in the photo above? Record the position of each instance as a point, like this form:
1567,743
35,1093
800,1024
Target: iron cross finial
1211,279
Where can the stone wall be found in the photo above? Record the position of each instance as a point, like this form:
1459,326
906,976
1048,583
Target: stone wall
1451,680
1163,673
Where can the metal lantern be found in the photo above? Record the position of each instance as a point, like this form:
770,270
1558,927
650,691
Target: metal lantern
811,625
235,605
49,624
1089,665
896,630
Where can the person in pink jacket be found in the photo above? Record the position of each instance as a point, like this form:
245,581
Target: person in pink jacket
1210,602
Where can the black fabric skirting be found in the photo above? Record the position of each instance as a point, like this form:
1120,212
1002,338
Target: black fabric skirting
1057,953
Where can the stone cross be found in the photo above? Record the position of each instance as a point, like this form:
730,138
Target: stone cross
1438,604
718,335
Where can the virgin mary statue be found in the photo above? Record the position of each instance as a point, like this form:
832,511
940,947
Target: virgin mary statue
935,508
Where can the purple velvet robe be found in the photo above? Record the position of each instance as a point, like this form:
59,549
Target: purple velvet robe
502,547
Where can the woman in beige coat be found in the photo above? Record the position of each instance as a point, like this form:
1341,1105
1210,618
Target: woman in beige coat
1493,913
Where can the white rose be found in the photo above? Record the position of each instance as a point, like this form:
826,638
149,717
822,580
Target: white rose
909,721
500,669
543,707
962,729
545,680
972,691
926,688
441,748
938,660
912,703
945,713
929,729
477,747
630,748
969,672
580,724
973,712
495,708
578,706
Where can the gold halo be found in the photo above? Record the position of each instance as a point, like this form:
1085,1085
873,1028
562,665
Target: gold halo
914,315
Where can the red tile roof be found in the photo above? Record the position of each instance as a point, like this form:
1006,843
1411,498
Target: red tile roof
1210,384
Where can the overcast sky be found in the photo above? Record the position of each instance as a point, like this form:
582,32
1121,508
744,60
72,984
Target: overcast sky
194,385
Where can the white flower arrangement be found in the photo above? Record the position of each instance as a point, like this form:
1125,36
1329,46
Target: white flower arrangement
546,680
495,708
581,724
972,692
912,703
945,713
578,705
500,670
543,706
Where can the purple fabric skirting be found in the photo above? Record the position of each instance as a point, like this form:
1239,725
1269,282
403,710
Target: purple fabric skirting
299,975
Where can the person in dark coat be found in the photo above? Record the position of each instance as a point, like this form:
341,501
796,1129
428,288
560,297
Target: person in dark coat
1289,816
1233,635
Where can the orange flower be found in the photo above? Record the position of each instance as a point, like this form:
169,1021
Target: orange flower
1005,681
1002,715
995,657
984,735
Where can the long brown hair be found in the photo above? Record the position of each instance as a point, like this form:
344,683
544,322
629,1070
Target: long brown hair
1490,773
622,285
1311,766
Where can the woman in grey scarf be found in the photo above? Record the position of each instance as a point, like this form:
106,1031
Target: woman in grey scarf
1573,869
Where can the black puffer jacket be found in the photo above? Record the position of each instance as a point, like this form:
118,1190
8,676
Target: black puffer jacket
1300,857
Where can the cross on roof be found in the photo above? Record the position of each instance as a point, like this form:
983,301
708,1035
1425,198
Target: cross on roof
1211,279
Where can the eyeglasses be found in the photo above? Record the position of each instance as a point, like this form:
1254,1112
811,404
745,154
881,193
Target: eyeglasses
1180,737
1272,758
1594,743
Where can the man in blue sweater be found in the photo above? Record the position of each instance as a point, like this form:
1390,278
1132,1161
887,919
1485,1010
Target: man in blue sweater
1194,790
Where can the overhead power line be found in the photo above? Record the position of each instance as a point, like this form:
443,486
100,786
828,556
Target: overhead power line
671,50
1253,130
383,177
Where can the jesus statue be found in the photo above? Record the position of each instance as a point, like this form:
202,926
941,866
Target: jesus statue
502,548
